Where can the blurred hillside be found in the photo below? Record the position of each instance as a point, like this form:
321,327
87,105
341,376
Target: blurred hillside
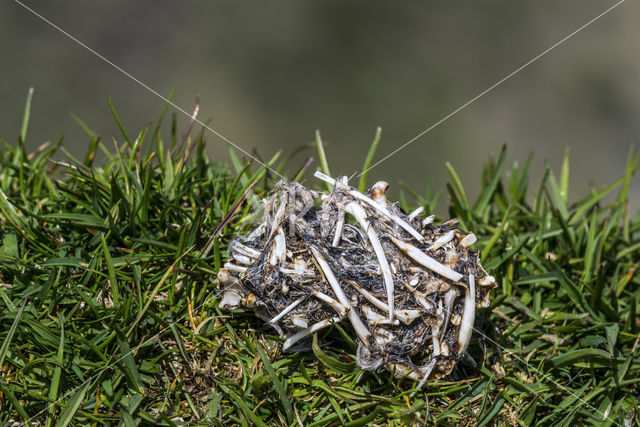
270,74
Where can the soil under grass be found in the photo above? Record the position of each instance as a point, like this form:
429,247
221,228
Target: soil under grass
109,299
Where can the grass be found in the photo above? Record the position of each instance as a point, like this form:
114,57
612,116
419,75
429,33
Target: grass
109,298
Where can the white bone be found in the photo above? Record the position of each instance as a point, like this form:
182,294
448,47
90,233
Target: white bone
487,281
376,319
361,216
464,336
339,308
375,205
419,296
428,220
379,192
225,278
444,349
231,300
468,240
300,321
296,272
338,233
370,297
424,259
286,311
235,268
242,259
405,316
442,240
415,213
308,331
245,250
403,371
359,327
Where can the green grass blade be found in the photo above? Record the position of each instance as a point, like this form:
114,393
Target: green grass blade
26,115
489,190
496,235
12,331
369,160
277,384
57,372
113,281
458,186
324,165
119,123
564,177
72,406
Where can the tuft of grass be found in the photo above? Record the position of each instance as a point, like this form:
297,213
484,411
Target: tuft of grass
109,295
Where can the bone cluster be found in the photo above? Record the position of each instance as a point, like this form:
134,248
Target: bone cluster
408,287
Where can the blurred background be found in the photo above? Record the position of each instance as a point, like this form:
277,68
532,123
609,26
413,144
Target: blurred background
270,73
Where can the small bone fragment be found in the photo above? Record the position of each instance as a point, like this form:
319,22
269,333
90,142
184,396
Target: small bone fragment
487,281
379,192
468,240
286,310
279,248
424,259
442,240
468,315
300,321
250,300
235,268
231,300
404,371
358,212
225,278
444,349
339,308
308,331
359,327
428,220
338,233
375,319
419,296
383,210
415,213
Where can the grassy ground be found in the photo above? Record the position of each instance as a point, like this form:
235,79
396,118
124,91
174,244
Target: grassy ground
109,300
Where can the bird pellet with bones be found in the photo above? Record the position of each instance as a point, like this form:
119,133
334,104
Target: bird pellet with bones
408,288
